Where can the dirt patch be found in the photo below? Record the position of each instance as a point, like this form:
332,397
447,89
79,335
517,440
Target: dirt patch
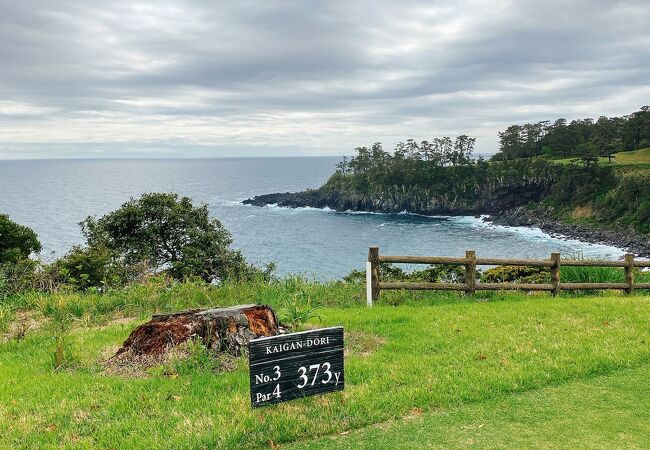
129,365
24,322
123,320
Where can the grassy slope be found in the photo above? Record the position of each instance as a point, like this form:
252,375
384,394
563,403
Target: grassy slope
448,352
604,412
637,157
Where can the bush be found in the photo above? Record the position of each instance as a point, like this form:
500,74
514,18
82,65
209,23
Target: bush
435,273
18,277
91,267
17,242
515,274
628,205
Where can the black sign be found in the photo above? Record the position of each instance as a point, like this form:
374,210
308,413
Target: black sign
296,365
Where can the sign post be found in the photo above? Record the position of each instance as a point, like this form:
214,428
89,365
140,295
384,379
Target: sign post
296,365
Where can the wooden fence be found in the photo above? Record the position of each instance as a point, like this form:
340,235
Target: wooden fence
470,261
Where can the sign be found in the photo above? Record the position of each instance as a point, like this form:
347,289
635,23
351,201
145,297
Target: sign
296,365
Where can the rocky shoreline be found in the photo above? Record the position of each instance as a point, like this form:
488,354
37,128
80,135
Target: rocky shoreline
515,217
541,218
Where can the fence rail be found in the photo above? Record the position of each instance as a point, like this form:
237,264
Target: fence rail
470,261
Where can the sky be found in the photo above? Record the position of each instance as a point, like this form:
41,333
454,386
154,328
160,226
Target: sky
172,78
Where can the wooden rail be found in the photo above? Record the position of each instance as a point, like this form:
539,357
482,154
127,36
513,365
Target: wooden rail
470,261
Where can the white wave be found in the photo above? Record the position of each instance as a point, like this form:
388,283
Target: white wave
361,213
275,206
536,233
478,223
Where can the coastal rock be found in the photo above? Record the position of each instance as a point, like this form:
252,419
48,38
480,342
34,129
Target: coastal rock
541,218
504,207
400,200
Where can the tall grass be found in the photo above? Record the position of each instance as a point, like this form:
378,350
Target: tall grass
7,315
296,298
579,274
296,294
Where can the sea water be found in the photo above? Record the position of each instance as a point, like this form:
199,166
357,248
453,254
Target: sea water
53,196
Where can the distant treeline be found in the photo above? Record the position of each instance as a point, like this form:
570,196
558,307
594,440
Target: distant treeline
439,152
377,180
580,138
441,177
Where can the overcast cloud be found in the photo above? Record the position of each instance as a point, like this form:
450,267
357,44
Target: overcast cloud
219,78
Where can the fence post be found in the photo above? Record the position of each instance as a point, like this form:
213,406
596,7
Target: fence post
470,271
368,284
373,259
629,272
555,273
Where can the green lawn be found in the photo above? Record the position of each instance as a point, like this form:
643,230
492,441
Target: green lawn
637,157
455,360
604,412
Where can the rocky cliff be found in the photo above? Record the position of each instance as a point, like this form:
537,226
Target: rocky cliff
482,201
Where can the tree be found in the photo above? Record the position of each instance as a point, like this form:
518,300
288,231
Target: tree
413,150
426,149
463,148
17,242
447,150
511,142
343,166
169,234
588,154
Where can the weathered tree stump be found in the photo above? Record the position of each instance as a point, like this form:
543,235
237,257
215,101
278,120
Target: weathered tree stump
222,329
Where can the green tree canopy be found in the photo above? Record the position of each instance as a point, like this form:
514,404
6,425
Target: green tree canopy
169,234
607,134
17,242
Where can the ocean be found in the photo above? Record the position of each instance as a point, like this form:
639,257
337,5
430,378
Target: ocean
53,196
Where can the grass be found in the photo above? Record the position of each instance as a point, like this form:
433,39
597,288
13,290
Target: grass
633,158
604,412
7,315
578,274
431,352
636,157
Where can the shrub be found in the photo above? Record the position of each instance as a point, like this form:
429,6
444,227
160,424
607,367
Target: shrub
628,205
439,273
435,273
515,274
18,277
87,267
17,242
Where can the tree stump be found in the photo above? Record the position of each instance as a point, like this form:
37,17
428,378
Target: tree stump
221,329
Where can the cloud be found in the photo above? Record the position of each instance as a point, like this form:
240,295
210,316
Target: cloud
198,78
